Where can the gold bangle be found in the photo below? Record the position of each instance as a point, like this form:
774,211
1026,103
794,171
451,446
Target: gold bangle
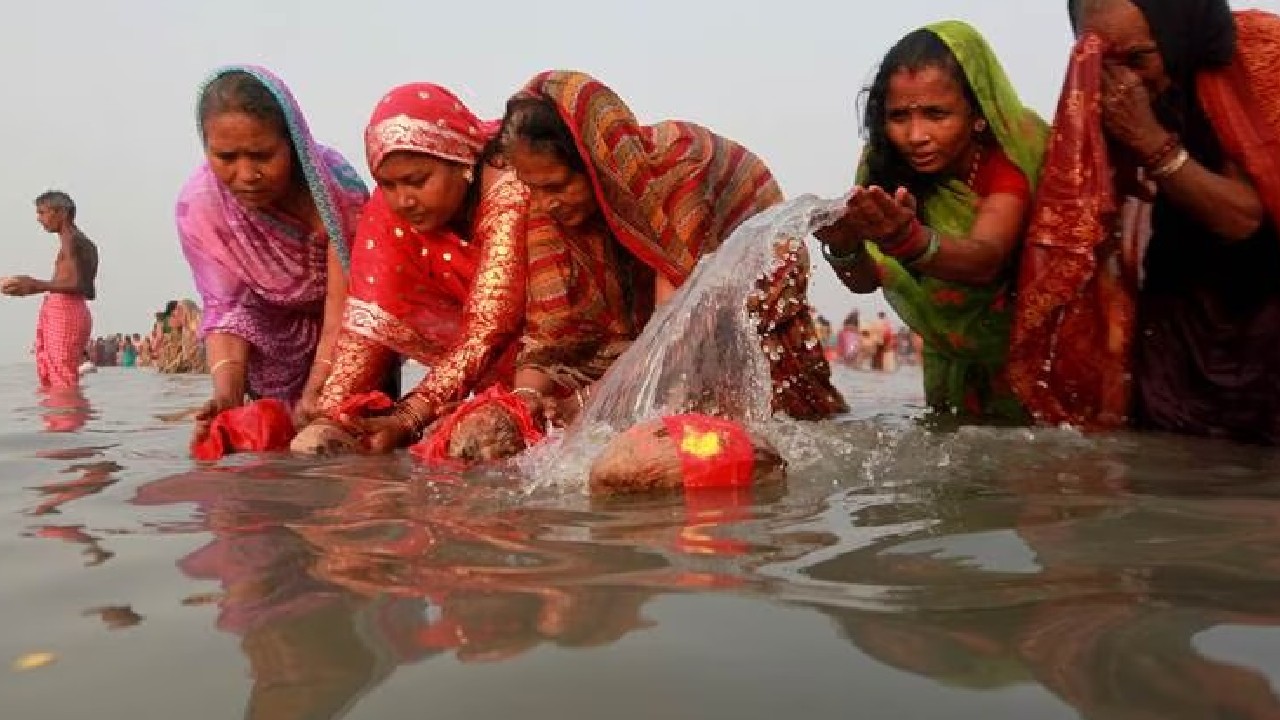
1179,160
527,391
219,365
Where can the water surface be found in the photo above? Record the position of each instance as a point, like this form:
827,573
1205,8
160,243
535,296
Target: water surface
901,573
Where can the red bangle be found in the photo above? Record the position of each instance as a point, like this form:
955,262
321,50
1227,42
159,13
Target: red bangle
913,244
1163,154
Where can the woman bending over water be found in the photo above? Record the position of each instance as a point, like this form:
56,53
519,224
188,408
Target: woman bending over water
944,191
620,214
266,224
438,270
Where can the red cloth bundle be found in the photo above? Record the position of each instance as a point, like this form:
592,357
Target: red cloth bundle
260,426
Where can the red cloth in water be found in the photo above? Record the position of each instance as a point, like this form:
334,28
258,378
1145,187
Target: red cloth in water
714,452
261,426
435,449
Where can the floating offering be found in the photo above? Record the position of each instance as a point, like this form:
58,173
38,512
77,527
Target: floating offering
689,452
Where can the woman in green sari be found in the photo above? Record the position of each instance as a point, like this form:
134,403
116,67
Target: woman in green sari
943,197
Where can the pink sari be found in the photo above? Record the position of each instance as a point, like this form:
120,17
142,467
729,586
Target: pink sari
263,277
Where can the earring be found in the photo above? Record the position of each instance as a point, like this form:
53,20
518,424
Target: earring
980,125
468,175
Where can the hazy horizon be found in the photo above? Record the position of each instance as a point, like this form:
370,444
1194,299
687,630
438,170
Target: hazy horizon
111,121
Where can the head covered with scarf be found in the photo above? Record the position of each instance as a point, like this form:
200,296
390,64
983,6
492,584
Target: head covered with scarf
1193,35
1071,358
425,118
262,276
965,326
407,284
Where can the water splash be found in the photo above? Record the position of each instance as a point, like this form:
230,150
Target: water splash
701,350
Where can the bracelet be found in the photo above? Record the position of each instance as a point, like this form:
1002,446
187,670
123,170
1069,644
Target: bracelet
324,361
1162,154
221,363
930,252
1177,163
846,261
527,391
914,244
408,415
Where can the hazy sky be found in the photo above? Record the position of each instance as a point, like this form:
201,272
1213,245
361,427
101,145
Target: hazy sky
99,95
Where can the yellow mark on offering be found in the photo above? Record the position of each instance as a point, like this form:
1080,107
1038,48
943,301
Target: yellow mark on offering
700,444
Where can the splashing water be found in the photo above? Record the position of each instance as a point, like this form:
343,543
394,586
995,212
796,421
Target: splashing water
701,350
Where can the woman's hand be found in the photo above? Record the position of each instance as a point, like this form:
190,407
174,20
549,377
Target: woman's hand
379,434
210,410
308,407
875,215
1127,115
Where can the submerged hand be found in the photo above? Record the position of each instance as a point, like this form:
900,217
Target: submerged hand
308,406
210,410
381,434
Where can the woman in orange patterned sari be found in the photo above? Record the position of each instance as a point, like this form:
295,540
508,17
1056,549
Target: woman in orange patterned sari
437,271
620,213
1189,342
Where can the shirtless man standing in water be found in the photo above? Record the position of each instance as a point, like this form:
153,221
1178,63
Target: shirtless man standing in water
65,322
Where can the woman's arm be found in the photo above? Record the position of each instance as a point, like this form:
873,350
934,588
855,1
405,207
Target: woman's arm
335,302
228,368
1227,204
495,307
983,256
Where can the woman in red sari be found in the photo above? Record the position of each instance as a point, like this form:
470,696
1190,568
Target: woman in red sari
437,271
1185,92
620,213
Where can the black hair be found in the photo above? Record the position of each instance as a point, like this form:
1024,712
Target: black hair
886,166
58,200
239,91
536,122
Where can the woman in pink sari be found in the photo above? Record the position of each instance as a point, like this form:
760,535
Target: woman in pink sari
266,225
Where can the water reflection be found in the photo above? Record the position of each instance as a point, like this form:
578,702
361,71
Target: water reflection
116,617
1129,569
65,410
334,578
94,477
95,554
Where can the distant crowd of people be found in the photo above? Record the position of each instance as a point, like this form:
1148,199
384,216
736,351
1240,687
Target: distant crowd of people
173,346
873,345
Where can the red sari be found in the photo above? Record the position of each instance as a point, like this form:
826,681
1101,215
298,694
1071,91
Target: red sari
453,301
1072,356
668,193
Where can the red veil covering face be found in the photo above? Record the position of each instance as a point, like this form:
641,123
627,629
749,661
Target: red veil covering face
452,299
1071,357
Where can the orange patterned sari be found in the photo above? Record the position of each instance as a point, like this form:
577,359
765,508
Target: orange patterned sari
1072,355
669,193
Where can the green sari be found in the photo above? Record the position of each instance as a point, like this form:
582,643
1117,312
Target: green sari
966,327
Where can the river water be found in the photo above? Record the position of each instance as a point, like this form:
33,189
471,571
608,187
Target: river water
903,572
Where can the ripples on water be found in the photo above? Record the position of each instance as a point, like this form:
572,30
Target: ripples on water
902,573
